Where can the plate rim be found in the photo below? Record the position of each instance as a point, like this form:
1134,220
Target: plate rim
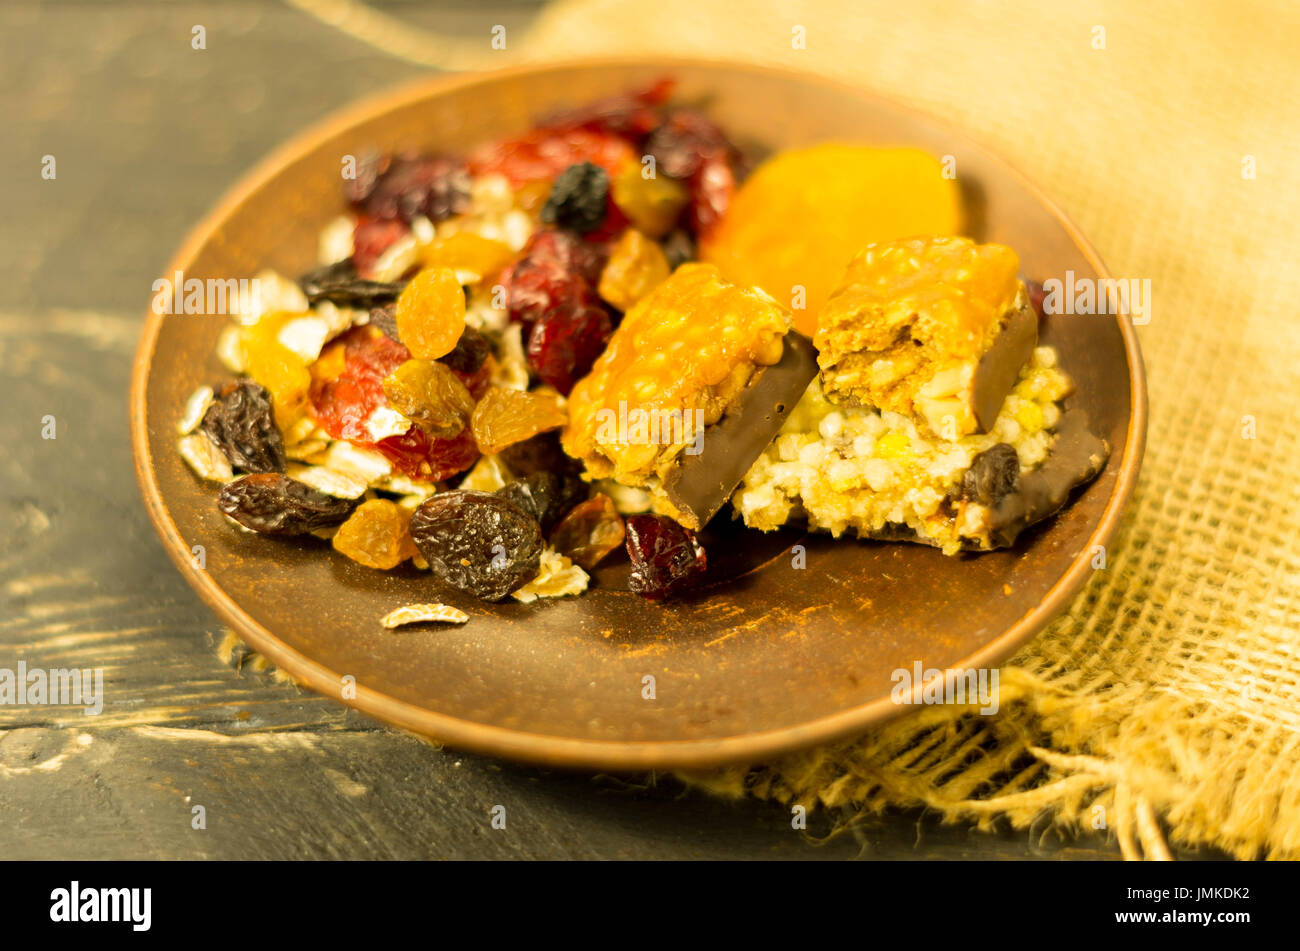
569,752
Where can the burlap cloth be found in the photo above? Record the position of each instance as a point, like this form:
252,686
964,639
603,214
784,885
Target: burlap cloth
1166,703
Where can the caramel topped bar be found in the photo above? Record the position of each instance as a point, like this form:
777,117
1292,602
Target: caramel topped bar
933,328
689,353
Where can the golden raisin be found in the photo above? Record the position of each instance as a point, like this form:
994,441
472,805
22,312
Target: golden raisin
473,257
376,535
635,267
277,368
431,396
504,417
531,196
652,204
590,531
431,313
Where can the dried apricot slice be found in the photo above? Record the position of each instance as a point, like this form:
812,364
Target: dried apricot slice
431,313
504,417
276,367
376,535
804,214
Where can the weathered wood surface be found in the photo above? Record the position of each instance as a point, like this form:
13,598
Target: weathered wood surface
146,133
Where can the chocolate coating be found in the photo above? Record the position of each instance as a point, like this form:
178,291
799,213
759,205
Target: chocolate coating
699,485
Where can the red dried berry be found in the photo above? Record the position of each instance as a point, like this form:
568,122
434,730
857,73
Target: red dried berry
342,406
567,252
667,559
631,116
711,189
566,341
691,147
372,237
543,153
403,187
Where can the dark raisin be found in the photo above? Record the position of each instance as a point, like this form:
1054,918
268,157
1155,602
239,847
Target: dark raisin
667,559
579,198
404,187
547,496
339,283
274,504
478,542
385,318
242,422
566,341
993,475
679,247
470,352
540,453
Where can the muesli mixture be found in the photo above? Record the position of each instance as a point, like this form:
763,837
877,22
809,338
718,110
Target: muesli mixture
513,365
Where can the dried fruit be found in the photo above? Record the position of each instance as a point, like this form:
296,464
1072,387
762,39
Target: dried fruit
470,353
566,341
473,257
283,372
652,204
431,395
274,504
565,251
504,416
590,531
541,453
408,186
371,238
478,542
339,283
691,148
544,153
344,404
542,495
241,421
375,535
431,313
635,266
993,475
631,116
419,613
667,560
1037,294
578,198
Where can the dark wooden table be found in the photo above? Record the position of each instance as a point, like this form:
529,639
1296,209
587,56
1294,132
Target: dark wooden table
146,133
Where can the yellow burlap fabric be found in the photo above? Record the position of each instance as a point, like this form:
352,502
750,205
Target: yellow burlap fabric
1169,696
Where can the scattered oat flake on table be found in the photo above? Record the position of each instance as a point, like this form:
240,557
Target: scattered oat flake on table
417,613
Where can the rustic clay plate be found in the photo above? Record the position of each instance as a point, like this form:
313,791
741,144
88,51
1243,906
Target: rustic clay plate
767,659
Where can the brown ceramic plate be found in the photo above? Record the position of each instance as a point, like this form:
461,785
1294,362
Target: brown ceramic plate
766,660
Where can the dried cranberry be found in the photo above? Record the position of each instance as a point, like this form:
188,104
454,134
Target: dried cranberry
342,406
684,140
711,189
543,153
407,186
372,237
667,560
566,341
631,116
568,252
579,198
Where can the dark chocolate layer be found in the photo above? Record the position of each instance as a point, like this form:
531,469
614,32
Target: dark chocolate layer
1000,366
699,484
